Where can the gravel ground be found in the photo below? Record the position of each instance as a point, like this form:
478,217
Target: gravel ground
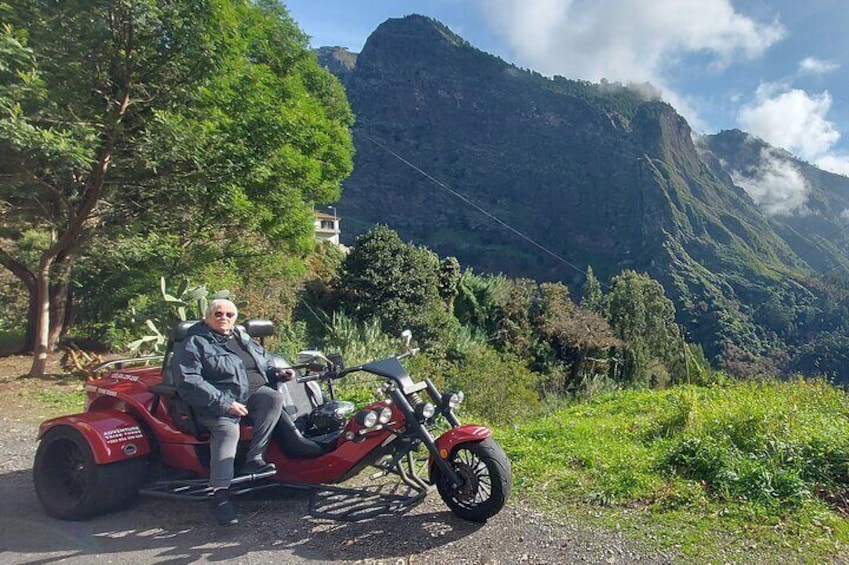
279,529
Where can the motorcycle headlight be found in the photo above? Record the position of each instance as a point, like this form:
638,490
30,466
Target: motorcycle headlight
367,418
425,411
453,399
385,415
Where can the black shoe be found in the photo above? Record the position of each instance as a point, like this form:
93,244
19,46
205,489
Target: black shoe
223,509
257,467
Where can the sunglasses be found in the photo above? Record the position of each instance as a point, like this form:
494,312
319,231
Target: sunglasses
222,314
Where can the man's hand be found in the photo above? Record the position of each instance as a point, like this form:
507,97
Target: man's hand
238,409
285,374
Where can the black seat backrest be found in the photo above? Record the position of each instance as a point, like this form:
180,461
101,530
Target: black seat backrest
178,334
181,413
258,328
299,399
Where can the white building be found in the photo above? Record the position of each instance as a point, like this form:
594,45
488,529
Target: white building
327,227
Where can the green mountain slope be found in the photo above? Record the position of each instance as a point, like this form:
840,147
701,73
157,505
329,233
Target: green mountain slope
807,207
600,175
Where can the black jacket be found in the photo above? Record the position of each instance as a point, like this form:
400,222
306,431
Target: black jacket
209,376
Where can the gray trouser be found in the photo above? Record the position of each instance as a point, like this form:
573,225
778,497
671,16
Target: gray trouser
264,408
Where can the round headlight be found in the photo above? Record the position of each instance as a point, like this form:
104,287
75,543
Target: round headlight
367,418
455,399
425,410
385,415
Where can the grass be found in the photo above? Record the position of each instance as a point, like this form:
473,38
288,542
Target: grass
59,402
728,474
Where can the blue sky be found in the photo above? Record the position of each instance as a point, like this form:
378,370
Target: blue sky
778,69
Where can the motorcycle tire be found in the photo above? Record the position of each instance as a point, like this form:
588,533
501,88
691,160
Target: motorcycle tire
72,486
487,478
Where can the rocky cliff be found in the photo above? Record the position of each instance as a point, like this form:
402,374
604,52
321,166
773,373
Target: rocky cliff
539,177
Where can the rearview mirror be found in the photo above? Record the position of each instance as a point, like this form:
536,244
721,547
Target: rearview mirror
313,360
337,361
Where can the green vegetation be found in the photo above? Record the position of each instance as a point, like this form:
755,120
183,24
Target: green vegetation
59,402
157,138
757,469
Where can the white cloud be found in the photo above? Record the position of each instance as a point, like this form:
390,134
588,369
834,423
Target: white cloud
838,164
776,186
795,120
792,119
814,66
626,40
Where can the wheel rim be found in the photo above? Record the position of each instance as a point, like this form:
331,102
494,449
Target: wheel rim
66,479
476,487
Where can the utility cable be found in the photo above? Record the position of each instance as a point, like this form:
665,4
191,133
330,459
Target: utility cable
466,200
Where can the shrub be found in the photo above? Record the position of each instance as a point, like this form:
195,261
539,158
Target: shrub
398,284
497,388
768,443
358,342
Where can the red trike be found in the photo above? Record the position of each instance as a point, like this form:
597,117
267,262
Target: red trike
137,436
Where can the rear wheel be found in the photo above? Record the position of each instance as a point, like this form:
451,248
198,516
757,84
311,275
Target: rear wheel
72,486
486,476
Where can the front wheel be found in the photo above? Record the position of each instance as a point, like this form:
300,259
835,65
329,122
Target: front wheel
72,486
486,476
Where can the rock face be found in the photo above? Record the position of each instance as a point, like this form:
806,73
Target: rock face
338,61
529,176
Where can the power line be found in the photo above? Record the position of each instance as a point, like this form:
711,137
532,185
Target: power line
466,200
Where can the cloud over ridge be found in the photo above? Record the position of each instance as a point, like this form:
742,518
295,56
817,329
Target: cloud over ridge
776,185
627,40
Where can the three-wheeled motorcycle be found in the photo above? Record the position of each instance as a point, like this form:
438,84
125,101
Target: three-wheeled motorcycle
137,435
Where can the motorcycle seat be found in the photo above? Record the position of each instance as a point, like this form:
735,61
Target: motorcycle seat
300,401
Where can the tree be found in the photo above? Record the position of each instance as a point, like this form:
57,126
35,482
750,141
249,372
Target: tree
592,298
642,315
397,283
580,340
209,120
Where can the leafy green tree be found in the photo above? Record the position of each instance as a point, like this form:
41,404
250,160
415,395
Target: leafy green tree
208,120
514,329
395,282
592,297
476,300
642,315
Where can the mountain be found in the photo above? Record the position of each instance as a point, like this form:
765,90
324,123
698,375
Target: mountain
538,177
808,207
338,61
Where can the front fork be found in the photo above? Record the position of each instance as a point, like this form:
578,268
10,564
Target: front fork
427,439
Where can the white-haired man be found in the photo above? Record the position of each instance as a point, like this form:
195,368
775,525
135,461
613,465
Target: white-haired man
222,373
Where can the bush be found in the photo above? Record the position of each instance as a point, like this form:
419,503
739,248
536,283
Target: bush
399,284
497,388
769,443
359,342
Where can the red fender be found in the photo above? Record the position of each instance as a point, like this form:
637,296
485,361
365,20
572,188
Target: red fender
112,435
462,434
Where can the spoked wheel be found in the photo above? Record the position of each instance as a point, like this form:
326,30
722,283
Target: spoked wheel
486,476
72,486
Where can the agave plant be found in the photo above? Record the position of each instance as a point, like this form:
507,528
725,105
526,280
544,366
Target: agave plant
186,302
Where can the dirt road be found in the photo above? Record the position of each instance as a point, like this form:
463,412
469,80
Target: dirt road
278,529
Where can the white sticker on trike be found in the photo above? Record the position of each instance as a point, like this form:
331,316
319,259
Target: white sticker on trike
122,434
